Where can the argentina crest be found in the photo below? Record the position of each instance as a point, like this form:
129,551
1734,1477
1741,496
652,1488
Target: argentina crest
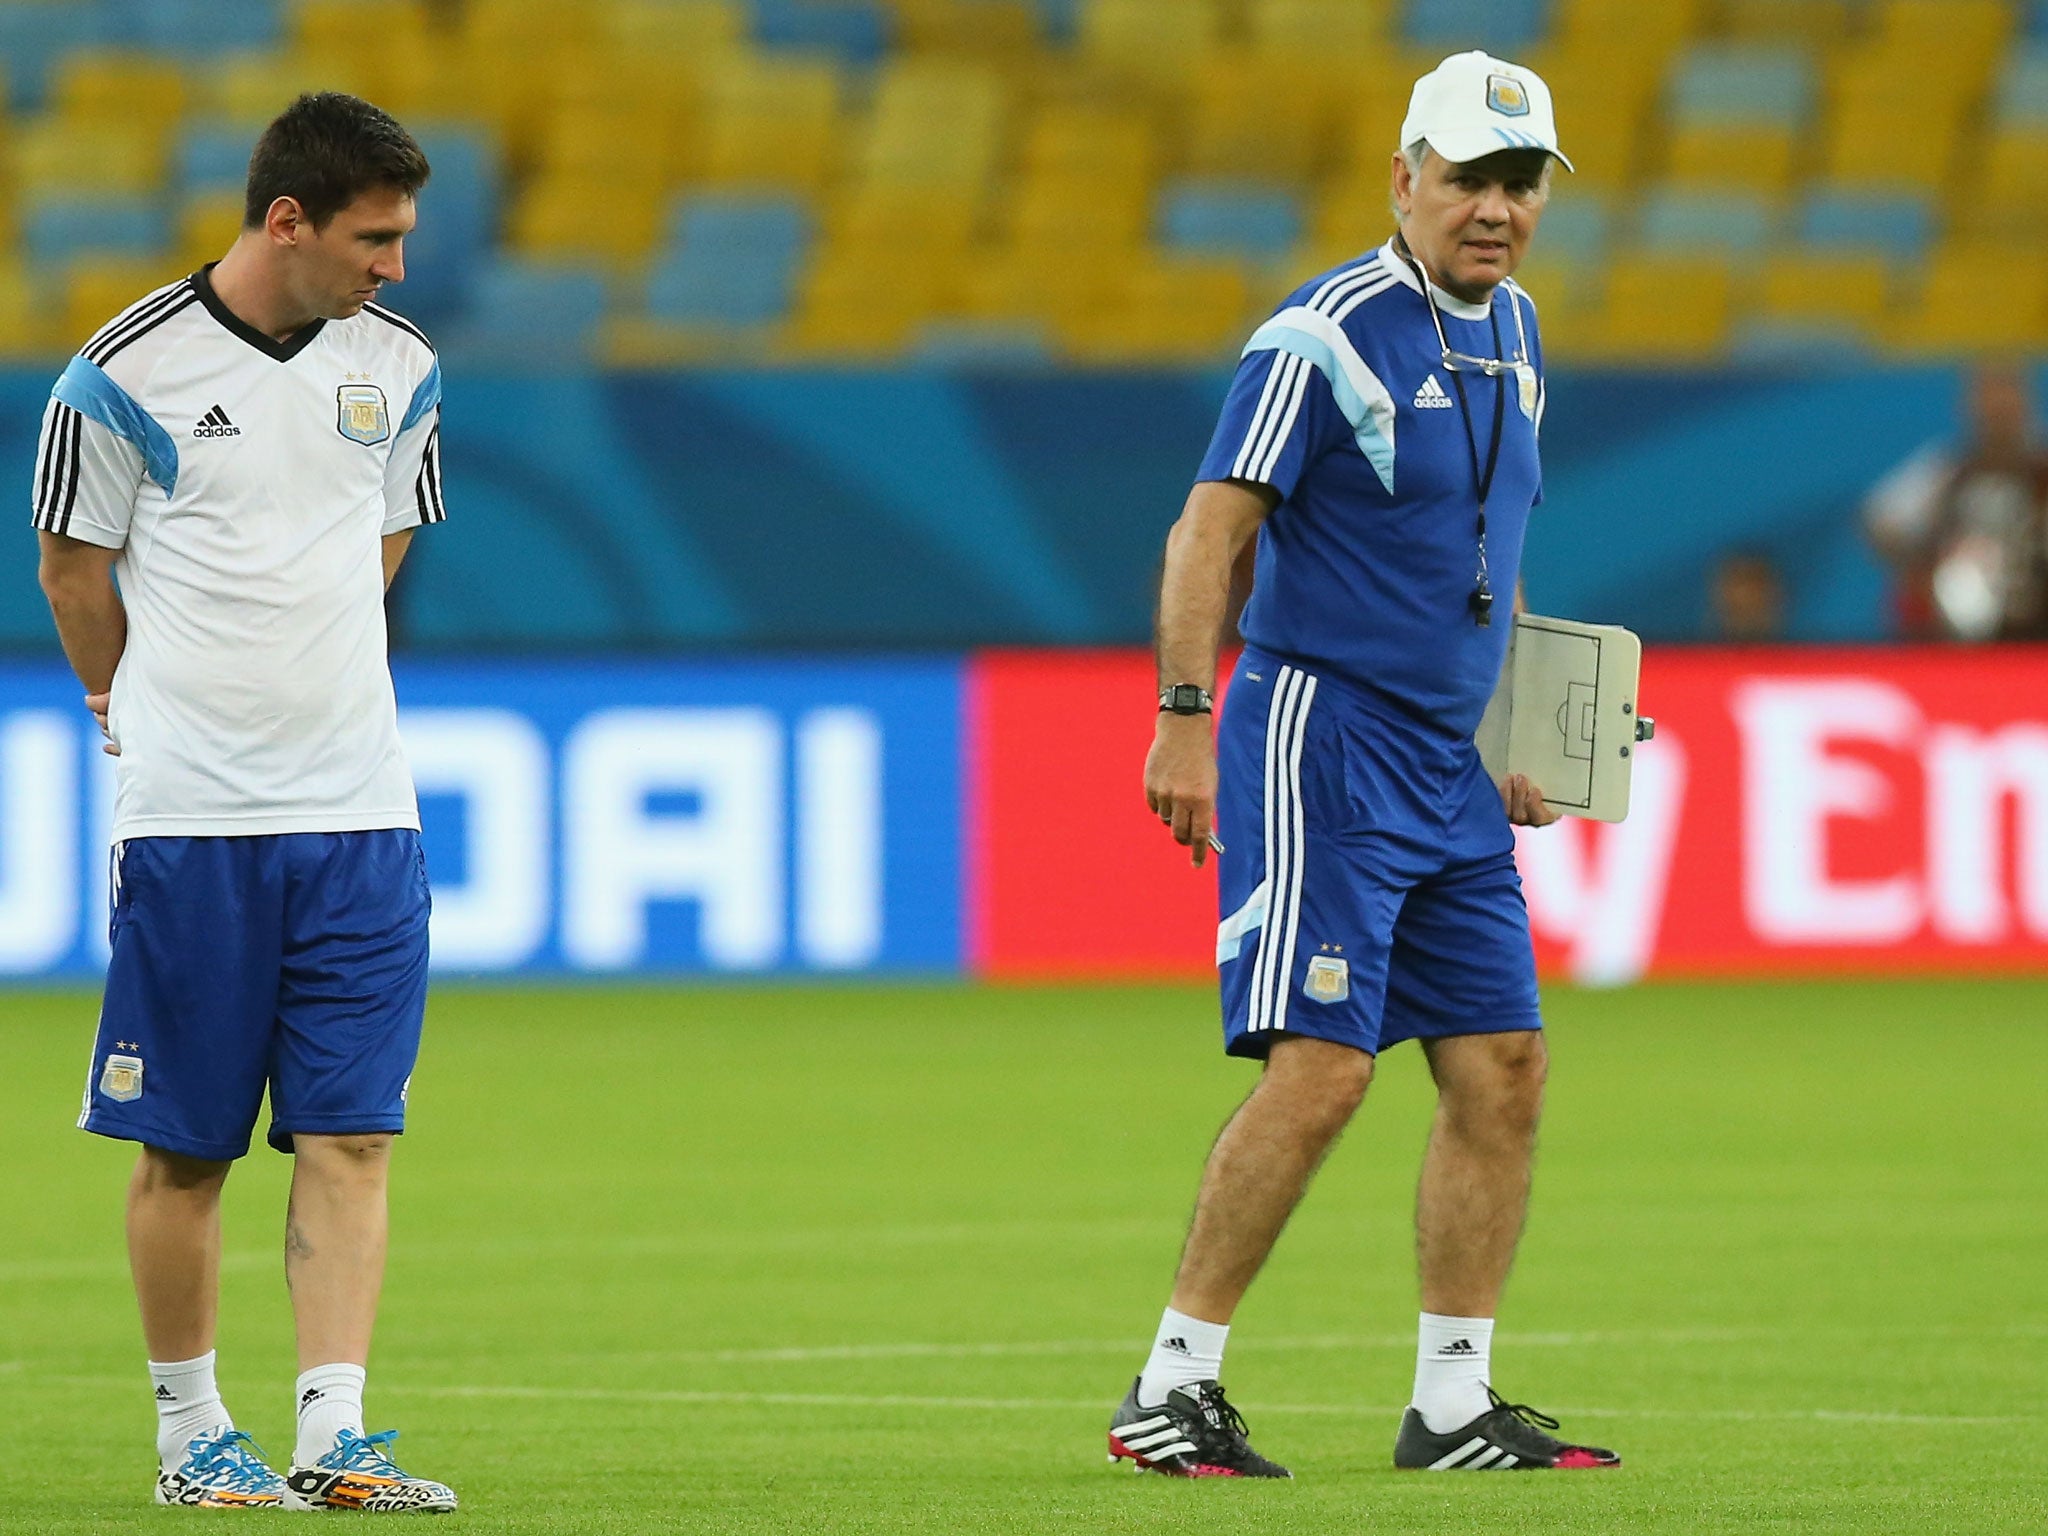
361,415
121,1079
1507,96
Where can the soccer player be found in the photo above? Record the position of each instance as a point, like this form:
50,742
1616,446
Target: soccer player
1380,443
248,452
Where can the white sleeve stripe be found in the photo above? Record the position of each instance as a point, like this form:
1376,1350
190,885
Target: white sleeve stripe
1243,462
1272,437
1301,378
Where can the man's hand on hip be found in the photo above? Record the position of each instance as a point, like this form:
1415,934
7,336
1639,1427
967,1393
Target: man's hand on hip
1180,780
1524,802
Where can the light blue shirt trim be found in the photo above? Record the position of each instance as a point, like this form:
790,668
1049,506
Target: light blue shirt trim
85,387
424,399
1366,403
1245,921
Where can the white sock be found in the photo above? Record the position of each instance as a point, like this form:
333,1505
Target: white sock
1185,1351
1451,1357
187,1405
330,1400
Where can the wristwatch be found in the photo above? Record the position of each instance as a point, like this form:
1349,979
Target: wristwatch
1185,699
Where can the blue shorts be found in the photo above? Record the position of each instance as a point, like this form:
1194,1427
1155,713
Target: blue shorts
1368,888
296,961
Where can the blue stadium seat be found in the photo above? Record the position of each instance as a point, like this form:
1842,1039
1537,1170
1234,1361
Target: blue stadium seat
1229,218
732,261
1576,228
458,224
860,32
1685,221
1901,225
1059,20
531,312
1743,84
2023,90
195,28
213,157
1504,27
55,230
33,35
2037,21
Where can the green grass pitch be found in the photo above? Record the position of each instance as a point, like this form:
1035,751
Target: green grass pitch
882,1259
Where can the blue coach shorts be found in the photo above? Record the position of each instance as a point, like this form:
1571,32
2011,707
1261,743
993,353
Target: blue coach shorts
296,961
1368,888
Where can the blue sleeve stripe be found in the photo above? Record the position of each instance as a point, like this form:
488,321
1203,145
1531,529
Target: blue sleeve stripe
424,399
1366,403
85,387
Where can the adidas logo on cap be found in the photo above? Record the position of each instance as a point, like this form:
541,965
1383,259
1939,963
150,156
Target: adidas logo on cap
1431,396
215,423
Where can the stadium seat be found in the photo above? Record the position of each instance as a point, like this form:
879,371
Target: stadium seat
857,33
25,329
1676,221
1577,228
772,124
934,123
1604,90
1974,30
199,29
252,88
53,230
732,261
1260,116
458,226
1742,85
1091,140
1166,309
1733,156
1039,284
104,85
1895,226
532,312
1226,218
1895,120
676,29
870,303
998,32
1661,309
1653,30
34,34
2004,198
209,223
1949,315
367,41
1349,31
939,221
2023,90
64,159
1809,303
1078,213
212,156
624,142
581,220
1153,40
1821,23
1505,28
97,288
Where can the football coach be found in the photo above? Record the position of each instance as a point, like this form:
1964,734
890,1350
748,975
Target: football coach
1379,443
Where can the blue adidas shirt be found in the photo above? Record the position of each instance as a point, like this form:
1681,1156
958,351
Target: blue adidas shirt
1342,404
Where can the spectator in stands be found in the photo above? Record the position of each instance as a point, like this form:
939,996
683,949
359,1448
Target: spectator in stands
1749,598
1965,527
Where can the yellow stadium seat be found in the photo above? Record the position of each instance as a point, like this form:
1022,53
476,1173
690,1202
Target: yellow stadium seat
772,123
1368,129
1758,158
1950,315
252,88
1872,147
623,143
1073,139
1348,31
1349,216
995,30
207,226
934,123
868,302
1604,91
1821,22
1976,30
1655,29
1806,288
1660,309
25,328
1078,213
1041,284
97,288
1165,309
582,218
112,86
1156,40
365,40
675,29
936,219
1259,117
57,157
2005,190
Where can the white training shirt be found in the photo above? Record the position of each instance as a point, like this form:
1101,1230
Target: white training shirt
248,484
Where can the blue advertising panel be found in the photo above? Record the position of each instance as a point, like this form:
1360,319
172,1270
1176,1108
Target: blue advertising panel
605,819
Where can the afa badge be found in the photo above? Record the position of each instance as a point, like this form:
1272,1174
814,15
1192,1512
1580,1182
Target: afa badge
1525,379
361,415
1329,979
121,1079
1507,96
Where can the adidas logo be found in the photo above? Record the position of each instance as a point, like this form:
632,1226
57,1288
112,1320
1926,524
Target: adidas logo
1462,1347
1431,396
215,423
310,1395
1178,1346
165,1395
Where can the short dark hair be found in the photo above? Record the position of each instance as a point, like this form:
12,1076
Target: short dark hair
326,150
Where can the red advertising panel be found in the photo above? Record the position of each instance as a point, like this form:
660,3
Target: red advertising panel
1804,811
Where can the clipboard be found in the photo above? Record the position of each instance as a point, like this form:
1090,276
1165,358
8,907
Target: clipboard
1564,714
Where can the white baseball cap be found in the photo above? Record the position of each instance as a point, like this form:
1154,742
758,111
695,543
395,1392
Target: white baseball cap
1473,105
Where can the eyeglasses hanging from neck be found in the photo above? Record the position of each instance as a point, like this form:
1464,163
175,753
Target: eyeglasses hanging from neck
1464,362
